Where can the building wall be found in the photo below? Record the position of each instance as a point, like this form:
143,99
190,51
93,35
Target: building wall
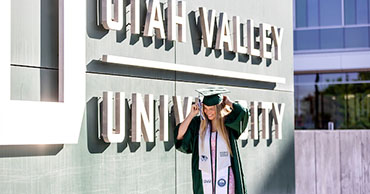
332,161
92,166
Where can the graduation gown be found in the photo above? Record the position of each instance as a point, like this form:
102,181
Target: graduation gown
235,123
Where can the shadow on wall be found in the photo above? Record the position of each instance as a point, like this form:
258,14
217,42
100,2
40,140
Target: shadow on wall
281,178
7,151
49,50
269,141
97,145
94,144
93,30
96,66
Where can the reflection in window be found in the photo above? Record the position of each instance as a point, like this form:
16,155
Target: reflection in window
342,98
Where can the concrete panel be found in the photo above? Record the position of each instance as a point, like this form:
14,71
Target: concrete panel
137,167
25,32
91,166
327,162
350,162
34,84
268,164
365,152
305,168
345,61
34,30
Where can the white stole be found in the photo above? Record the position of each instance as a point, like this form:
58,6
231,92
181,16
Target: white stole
222,164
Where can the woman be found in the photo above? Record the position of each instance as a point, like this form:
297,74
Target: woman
211,138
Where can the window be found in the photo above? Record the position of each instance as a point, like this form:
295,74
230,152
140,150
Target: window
342,98
330,12
331,38
356,37
313,13
350,12
307,39
301,13
323,24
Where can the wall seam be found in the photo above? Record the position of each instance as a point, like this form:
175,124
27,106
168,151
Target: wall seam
33,67
175,47
340,161
314,137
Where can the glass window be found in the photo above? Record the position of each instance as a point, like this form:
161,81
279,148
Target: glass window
330,12
307,39
362,12
349,12
330,78
333,107
301,13
313,13
306,79
342,98
358,102
305,107
331,38
295,40
356,37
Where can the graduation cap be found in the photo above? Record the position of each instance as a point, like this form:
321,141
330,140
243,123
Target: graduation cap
212,95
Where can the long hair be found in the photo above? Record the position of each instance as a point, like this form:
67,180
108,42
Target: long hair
221,112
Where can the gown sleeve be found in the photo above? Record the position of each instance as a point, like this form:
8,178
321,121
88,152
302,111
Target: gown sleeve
237,120
186,144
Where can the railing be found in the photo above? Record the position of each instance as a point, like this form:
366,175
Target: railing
332,162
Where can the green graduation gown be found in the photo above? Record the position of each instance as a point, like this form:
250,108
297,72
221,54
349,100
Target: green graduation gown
235,123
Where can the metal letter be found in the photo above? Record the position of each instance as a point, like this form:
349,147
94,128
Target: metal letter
266,107
135,16
109,23
278,119
264,41
277,36
174,20
254,120
207,23
181,111
238,48
223,33
142,116
163,114
113,133
250,39
154,20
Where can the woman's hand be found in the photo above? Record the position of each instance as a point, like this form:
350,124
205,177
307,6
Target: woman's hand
226,101
194,110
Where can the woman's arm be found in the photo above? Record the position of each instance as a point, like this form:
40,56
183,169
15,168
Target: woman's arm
237,120
185,124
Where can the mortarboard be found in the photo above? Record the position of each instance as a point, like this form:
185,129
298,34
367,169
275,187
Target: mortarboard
212,95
